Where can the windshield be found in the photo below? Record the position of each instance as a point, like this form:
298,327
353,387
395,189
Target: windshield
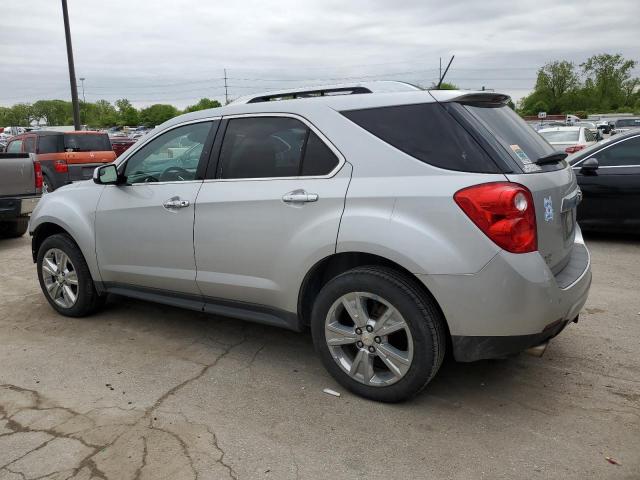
87,142
561,136
585,124
628,122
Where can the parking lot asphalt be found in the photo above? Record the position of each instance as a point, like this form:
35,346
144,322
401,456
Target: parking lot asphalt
143,391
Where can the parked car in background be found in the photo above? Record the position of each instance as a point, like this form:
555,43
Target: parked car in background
593,128
604,126
65,156
121,144
609,175
568,139
622,125
20,189
395,226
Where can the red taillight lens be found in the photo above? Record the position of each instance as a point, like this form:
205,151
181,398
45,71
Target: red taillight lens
504,212
574,148
37,170
61,166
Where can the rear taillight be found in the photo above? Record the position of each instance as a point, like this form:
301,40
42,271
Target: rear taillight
61,166
37,170
504,212
574,148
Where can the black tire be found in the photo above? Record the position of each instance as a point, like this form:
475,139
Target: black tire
14,228
420,312
88,300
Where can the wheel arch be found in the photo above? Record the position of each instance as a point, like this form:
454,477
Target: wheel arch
333,265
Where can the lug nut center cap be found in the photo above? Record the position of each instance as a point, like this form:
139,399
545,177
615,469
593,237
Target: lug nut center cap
368,338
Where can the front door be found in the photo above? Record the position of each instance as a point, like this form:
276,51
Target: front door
270,212
144,228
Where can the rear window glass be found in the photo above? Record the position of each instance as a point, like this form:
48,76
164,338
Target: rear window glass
428,133
523,144
566,136
83,142
50,144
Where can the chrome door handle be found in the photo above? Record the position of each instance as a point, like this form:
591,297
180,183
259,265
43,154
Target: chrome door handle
175,202
299,196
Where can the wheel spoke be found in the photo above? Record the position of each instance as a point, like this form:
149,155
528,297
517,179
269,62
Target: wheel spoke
68,295
337,334
396,360
71,278
49,267
354,305
367,369
56,291
389,323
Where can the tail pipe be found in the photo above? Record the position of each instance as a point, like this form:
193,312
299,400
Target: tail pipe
538,350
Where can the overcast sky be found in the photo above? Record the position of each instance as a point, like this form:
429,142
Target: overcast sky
175,51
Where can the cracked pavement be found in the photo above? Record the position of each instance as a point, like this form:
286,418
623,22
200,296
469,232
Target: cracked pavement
144,391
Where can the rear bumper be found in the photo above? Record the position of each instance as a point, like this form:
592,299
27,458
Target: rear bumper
12,208
513,303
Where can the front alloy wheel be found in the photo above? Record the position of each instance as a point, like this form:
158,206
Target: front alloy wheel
60,278
369,339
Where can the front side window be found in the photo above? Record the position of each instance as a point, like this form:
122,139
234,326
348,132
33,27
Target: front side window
170,157
15,146
273,147
625,153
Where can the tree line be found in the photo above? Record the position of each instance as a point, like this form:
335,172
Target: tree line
602,84
94,114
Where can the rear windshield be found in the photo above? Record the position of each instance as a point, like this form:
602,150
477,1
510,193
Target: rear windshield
522,143
427,132
561,136
86,142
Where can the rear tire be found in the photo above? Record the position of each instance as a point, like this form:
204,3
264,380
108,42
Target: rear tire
14,228
402,339
65,278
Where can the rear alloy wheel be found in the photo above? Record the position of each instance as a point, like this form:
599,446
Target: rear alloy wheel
378,333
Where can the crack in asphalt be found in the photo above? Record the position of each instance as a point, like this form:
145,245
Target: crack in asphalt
147,422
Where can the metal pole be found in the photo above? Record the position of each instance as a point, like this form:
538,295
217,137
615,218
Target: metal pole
72,70
226,93
445,72
82,84
83,110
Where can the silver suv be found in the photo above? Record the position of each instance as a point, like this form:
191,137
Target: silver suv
396,225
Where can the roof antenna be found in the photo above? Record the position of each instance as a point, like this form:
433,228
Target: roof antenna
445,72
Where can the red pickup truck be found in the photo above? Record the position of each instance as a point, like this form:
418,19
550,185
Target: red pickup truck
65,156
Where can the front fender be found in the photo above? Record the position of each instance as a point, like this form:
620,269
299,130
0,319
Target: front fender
72,208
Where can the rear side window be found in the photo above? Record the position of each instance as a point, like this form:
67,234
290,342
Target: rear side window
428,133
30,145
50,144
622,154
86,142
519,140
15,146
273,147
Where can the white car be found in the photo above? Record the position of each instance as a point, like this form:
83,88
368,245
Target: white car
569,139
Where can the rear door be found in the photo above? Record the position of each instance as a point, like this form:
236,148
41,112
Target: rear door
269,211
553,186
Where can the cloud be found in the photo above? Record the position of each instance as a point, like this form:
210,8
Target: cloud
176,51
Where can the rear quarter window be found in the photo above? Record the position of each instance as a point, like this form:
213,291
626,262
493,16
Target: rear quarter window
428,133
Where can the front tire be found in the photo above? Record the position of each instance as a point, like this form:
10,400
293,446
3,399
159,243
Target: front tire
65,279
378,334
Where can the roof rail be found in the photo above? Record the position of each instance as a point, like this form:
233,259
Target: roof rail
328,90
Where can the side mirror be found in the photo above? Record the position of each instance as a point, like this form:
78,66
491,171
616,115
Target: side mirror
589,166
106,174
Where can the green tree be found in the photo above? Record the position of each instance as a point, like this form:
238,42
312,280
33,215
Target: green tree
157,114
609,80
127,113
448,86
52,112
554,82
203,104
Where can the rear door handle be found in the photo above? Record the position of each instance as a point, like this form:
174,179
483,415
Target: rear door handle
175,202
299,196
